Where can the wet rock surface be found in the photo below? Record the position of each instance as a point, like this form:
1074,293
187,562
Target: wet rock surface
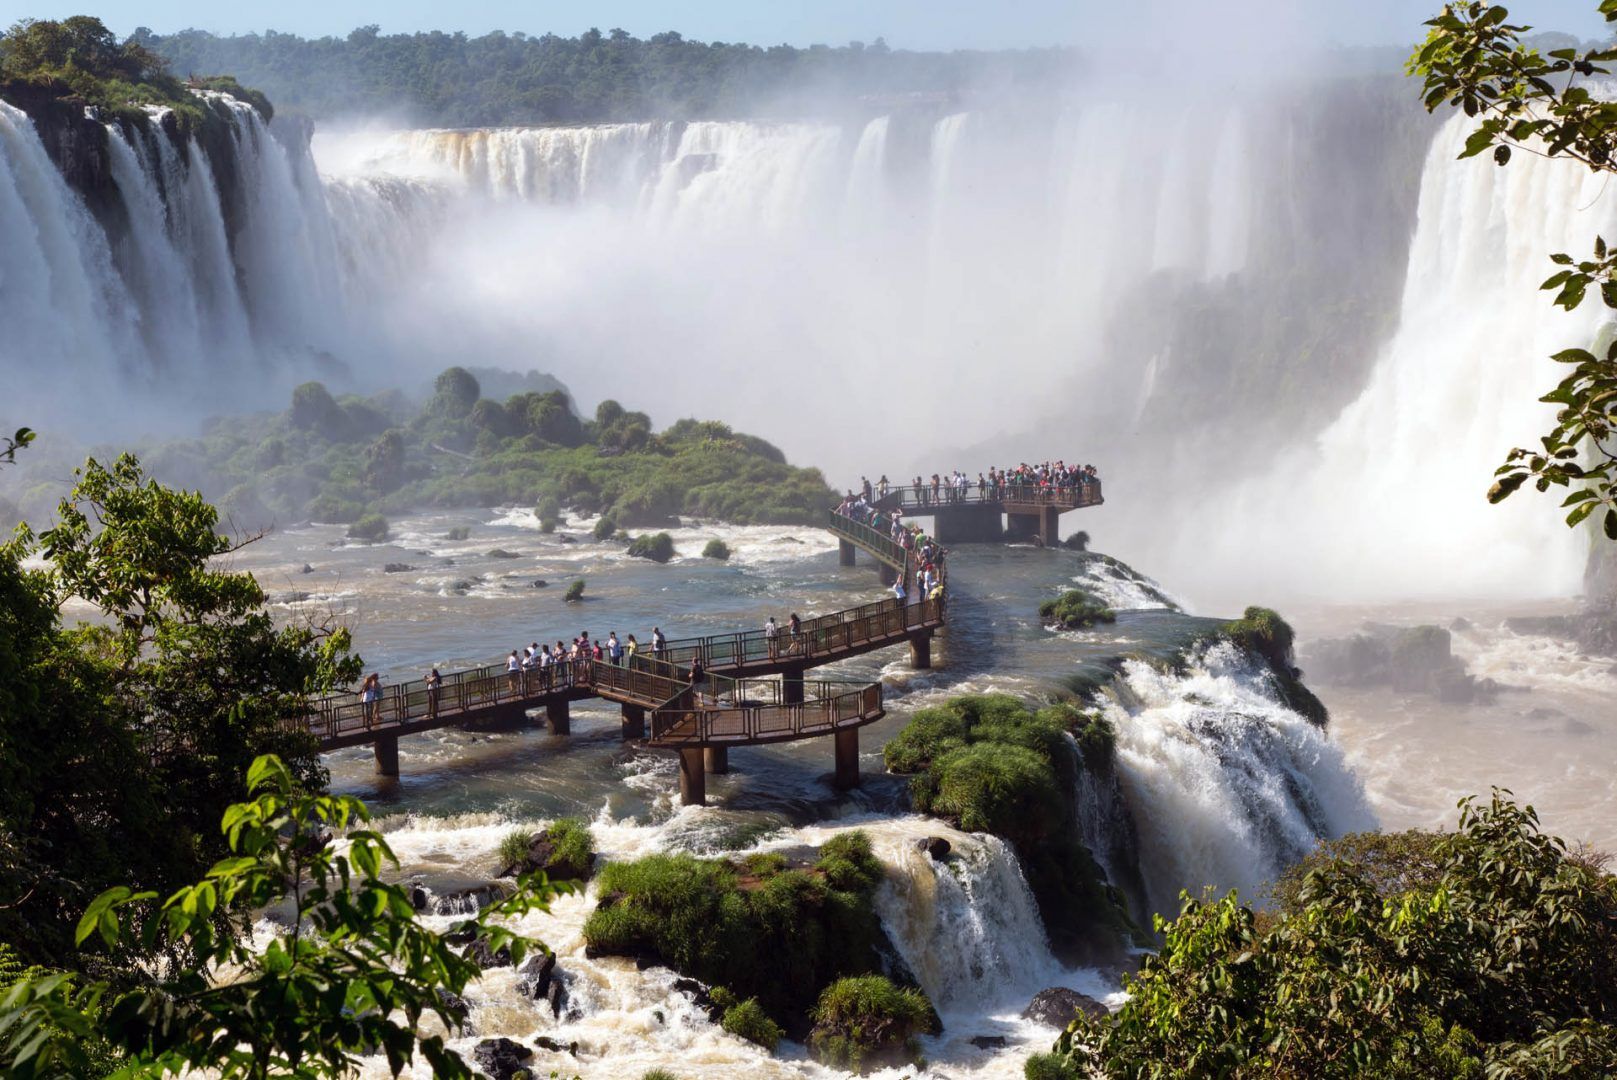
1059,1006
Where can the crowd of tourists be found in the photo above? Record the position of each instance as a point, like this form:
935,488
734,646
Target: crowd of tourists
1050,481
541,667
923,555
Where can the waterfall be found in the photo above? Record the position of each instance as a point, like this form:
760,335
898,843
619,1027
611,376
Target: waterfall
65,305
173,290
1388,501
1225,785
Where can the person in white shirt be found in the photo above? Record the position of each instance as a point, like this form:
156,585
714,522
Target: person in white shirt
772,636
513,667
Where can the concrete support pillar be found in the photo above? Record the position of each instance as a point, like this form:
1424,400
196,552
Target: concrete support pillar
1051,527
1021,526
386,749
845,552
716,759
791,687
634,722
559,718
847,774
692,779
888,574
921,651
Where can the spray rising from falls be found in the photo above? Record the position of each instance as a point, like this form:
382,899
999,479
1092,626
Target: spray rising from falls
1389,499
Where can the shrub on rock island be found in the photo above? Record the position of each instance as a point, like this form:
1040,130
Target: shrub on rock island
575,592
762,929
658,547
1076,609
372,528
565,851
747,1020
716,549
866,1023
605,527
990,764
1263,634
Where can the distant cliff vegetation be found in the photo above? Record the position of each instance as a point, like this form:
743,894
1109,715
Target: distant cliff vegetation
340,459
79,59
453,80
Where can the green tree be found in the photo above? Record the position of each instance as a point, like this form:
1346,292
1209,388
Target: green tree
353,972
455,393
1489,951
123,740
384,461
1474,59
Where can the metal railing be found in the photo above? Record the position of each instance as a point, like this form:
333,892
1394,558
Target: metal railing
731,709
760,713
925,498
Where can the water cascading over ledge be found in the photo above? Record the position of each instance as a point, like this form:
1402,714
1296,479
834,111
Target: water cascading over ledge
185,266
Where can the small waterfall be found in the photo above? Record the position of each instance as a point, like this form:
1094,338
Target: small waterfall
968,927
1225,785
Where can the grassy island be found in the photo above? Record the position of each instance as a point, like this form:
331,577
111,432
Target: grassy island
341,459
1075,609
766,935
990,764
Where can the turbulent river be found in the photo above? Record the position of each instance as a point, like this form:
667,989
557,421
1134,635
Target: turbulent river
1216,782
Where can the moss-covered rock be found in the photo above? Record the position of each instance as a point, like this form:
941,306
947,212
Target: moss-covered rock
371,527
658,547
605,528
1262,633
758,927
864,1023
565,851
1076,609
990,764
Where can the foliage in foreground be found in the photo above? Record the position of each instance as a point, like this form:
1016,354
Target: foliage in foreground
1474,59
1076,609
1490,951
116,758
756,927
865,1023
990,764
353,972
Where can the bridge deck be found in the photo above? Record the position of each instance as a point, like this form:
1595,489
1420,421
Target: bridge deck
740,708
1007,498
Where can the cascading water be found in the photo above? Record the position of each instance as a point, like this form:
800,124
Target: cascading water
1388,502
183,294
1225,784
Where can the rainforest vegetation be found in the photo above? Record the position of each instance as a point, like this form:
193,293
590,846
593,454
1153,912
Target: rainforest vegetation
355,460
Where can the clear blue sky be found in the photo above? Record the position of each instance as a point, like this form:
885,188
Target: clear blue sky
915,24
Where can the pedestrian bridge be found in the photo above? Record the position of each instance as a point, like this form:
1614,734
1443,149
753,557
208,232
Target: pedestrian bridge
1029,510
756,691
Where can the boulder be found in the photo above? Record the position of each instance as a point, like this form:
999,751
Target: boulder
935,846
307,569
420,899
991,1042
535,976
565,539
539,583
545,1042
501,553
1059,1006
542,856
397,568
480,954
500,1059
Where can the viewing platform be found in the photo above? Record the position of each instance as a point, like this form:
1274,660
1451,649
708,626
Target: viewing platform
1015,512
755,691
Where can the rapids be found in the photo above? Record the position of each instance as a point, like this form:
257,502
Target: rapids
967,928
